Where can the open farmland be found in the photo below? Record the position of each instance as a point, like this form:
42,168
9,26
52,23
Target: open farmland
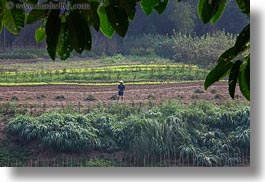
67,114
82,97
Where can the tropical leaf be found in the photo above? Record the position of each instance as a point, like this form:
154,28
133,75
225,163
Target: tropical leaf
80,36
64,48
36,15
219,71
149,5
118,19
129,7
243,39
244,78
244,5
161,6
233,78
40,34
211,11
13,19
105,26
1,16
52,30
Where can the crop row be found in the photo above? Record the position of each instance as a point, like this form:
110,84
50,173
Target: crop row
109,74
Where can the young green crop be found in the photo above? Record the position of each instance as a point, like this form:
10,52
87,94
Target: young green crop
107,74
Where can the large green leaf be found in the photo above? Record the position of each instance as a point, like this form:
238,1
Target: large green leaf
40,34
64,48
13,18
161,6
118,19
90,14
93,15
53,28
79,36
89,40
211,10
227,56
105,26
1,16
233,78
36,15
244,78
220,71
243,39
149,5
129,7
244,5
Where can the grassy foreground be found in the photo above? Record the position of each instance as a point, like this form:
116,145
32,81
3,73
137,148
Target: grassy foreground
198,134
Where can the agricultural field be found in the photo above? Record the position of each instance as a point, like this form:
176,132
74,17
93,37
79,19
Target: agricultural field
66,114
89,72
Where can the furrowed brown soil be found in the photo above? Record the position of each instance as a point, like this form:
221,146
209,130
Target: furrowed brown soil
75,95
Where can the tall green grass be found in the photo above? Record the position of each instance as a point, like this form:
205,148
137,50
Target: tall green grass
202,132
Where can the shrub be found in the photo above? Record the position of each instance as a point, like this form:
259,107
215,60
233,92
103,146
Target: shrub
195,96
199,91
60,97
14,98
59,131
218,96
151,97
114,97
39,97
213,91
90,98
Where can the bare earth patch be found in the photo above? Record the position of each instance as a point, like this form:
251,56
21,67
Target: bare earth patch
58,96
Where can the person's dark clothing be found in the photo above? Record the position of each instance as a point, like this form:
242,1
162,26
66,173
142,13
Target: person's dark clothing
121,89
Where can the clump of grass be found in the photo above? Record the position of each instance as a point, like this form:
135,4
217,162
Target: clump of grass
28,98
39,97
213,91
60,97
114,97
14,98
180,97
199,91
195,96
90,98
151,97
218,96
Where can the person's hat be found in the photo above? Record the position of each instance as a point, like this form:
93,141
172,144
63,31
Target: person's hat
120,81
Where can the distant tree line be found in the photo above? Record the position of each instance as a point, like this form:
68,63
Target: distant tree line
178,17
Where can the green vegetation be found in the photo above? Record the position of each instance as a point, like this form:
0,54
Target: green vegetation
90,98
99,163
200,50
20,53
63,37
13,156
107,74
201,133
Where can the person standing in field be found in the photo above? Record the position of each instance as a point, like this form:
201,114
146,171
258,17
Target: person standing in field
121,89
